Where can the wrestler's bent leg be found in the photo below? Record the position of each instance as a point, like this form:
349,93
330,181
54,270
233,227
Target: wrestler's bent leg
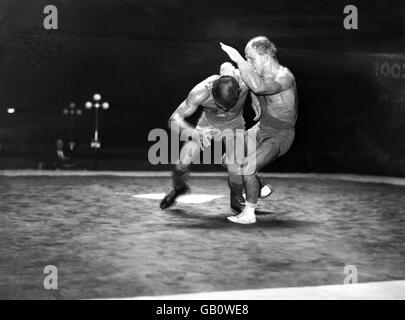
180,174
266,152
235,180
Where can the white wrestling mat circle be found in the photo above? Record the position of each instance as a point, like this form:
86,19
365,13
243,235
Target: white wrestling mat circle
189,198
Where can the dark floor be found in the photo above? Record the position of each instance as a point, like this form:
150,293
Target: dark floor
106,243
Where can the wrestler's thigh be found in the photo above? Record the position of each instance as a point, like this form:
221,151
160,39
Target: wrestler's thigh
267,151
233,142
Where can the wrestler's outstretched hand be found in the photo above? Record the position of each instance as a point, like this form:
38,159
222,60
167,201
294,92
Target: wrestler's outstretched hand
232,53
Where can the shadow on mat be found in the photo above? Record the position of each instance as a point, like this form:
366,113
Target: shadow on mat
199,221
265,213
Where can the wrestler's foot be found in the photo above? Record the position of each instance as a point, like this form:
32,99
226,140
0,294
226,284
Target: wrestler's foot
238,207
246,217
171,197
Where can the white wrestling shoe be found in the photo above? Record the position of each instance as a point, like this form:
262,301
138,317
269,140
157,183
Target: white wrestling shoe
265,191
245,217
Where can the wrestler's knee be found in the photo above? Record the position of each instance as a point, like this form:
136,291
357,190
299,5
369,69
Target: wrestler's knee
223,161
248,169
249,165
189,152
182,167
234,169
274,152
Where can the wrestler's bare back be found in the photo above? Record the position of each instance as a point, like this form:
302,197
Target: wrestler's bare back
201,96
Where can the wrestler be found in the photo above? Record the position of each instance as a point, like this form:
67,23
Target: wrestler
222,98
274,88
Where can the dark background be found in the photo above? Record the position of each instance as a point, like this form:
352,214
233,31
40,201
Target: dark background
144,56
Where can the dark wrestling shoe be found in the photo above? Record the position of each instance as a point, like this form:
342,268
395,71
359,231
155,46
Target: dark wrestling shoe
171,197
238,208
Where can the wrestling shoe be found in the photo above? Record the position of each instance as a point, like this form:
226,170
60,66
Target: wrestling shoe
246,217
171,197
265,191
239,207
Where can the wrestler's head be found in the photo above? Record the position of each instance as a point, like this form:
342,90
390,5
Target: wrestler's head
260,51
225,91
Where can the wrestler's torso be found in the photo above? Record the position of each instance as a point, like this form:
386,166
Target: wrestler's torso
282,106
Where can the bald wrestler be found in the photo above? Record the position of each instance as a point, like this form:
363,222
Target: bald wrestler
275,90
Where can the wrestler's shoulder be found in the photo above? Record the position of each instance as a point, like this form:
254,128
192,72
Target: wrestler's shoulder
203,90
206,83
284,72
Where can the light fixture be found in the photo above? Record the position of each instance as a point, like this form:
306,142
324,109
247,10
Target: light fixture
97,104
11,110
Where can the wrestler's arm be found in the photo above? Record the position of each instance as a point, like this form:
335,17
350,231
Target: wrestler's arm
195,98
255,100
263,85
256,83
